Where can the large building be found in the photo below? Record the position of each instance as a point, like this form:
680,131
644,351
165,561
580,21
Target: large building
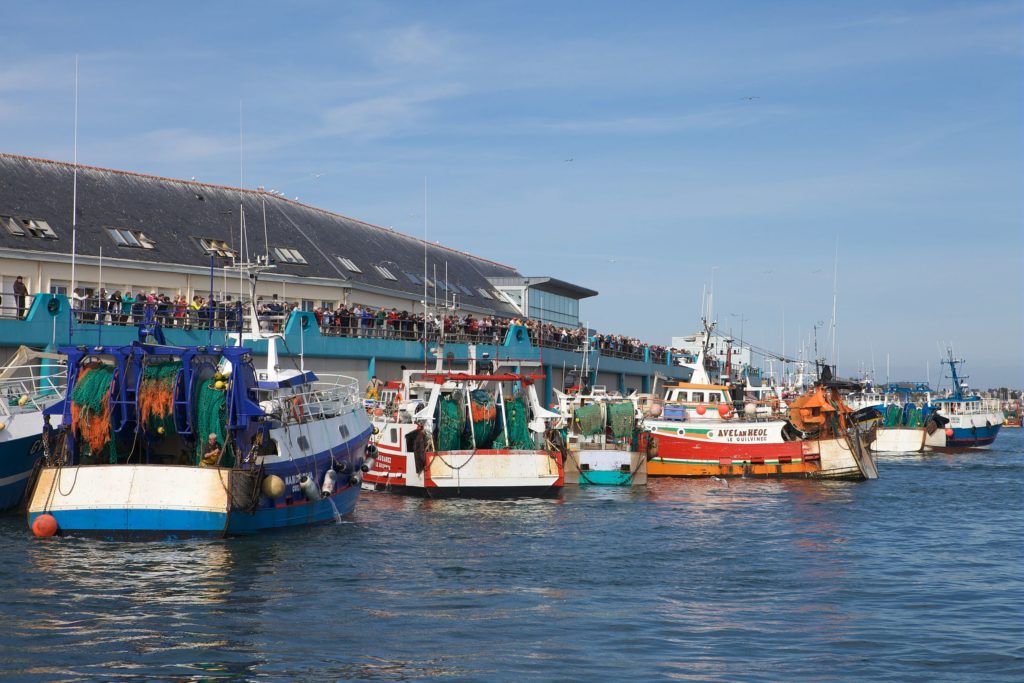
140,233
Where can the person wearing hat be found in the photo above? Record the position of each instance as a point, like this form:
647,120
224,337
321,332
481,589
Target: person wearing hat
211,451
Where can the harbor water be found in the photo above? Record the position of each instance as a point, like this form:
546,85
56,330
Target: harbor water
917,576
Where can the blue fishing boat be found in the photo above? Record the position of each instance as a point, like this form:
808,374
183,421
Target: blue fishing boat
974,422
30,382
161,441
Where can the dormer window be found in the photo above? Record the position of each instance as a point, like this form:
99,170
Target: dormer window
31,227
125,237
289,255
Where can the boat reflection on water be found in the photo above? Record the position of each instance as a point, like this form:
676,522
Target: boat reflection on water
175,610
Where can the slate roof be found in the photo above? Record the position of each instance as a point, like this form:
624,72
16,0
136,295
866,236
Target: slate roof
176,214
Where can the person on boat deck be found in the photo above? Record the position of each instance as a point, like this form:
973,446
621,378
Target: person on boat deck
418,441
211,452
20,292
373,388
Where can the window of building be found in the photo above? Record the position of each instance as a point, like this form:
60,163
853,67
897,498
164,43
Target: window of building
125,237
289,255
415,279
484,293
553,308
307,305
217,247
387,274
326,305
58,288
13,226
38,228
465,290
349,264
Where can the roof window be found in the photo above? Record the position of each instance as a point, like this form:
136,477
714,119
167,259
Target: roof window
484,293
415,279
124,237
349,264
289,255
13,226
387,274
216,247
465,289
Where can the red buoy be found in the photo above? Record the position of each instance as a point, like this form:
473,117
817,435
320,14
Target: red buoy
724,409
701,410
44,526
949,431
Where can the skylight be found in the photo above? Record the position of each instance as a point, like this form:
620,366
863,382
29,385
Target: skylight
387,274
125,237
484,293
217,247
13,226
415,279
289,255
349,264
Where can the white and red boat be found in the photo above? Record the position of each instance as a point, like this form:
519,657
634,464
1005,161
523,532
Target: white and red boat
479,432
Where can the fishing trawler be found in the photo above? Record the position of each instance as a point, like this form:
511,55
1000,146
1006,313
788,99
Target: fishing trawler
160,441
30,382
974,422
476,432
601,436
701,429
908,423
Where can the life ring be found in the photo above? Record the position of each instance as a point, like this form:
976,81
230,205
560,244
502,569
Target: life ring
298,409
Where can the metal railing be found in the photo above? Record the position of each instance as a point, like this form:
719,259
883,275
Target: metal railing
43,385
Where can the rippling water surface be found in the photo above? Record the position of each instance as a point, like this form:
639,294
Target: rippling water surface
917,576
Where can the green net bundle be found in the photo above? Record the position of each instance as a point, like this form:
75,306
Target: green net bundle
451,425
621,419
482,408
156,397
517,418
914,417
893,416
210,418
590,419
90,410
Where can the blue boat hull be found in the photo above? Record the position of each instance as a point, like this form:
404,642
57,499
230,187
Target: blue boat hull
135,522
973,437
16,463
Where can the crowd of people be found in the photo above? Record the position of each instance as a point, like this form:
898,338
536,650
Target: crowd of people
353,321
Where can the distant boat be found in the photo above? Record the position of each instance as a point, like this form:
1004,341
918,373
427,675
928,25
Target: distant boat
974,422
30,382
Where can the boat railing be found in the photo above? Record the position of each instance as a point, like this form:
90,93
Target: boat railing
24,394
330,395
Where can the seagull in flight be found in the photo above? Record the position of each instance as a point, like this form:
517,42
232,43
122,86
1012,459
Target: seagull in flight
568,160
751,98
721,481
317,175
816,271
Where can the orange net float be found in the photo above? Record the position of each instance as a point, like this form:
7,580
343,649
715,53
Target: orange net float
44,526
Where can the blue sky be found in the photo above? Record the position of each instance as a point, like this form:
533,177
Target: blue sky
610,144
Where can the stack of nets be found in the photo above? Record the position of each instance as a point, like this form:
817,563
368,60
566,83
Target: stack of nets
590,419
621,419
893,416
451,424
482,409
912,416
211,418
156,398
90,410
517,418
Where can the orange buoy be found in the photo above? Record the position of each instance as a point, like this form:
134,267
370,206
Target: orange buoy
44,526
724,409
701,410
949,431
